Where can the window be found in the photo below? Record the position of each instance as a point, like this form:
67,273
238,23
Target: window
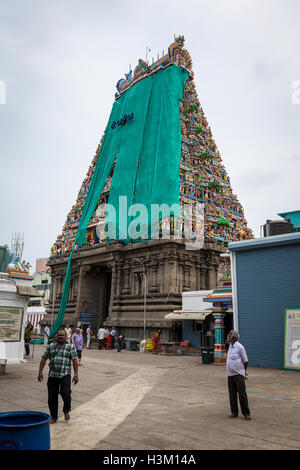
197,325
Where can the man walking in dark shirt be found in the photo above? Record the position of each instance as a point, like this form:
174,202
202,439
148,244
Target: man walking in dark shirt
61,354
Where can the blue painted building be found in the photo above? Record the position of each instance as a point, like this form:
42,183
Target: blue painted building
265,282
294,217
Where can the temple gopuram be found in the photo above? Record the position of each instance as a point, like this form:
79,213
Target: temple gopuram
107,278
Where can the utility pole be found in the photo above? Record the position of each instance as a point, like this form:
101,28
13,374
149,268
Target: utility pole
145,300
53,298
145,293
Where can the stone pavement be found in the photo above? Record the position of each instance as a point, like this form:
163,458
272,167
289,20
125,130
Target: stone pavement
133,400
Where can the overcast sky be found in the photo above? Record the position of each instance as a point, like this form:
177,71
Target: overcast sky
61,59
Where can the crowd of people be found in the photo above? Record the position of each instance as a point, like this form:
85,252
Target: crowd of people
110,339
107,339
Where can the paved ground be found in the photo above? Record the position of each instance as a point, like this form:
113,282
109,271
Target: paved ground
132,400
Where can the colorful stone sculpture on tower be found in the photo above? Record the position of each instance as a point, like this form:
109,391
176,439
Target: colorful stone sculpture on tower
198,177
221,298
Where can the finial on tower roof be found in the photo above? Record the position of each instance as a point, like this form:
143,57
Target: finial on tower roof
180,40
176,55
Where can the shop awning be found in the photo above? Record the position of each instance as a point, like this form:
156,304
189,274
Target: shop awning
184,315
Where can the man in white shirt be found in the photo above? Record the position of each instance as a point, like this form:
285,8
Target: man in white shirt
46,334
68,331
100,337
236,365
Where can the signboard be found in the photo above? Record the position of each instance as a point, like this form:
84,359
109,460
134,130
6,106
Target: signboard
292,339
87,317
11,319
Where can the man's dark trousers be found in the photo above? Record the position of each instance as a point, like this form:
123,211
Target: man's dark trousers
55,387
27,348
237,386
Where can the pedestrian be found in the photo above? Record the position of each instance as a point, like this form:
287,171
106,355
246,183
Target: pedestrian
121,343
113,338
236,366
106,337
46,334
60,355
77,341
100,336
156,342
27,337
68,331
89,333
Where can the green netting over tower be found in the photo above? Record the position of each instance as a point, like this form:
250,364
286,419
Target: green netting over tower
147,149
143,140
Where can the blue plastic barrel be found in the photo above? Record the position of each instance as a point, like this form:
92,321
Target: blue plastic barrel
24,430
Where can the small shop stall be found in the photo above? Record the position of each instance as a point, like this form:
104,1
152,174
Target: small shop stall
15,291
195,318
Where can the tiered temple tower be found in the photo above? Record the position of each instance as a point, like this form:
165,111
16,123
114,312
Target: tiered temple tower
108,277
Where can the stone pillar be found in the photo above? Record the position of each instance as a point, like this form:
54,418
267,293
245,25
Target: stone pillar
118,283
212,276
153,268
112,266
220,351
187,276
171,269
126,276
198,276
160,274
203,280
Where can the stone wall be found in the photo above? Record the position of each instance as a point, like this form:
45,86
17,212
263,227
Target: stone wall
109,281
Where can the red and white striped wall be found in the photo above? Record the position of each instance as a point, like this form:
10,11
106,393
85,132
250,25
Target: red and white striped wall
35,315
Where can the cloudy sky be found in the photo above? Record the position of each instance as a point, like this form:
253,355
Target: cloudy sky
61,59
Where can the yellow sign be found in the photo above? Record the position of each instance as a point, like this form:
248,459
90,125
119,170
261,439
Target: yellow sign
11,323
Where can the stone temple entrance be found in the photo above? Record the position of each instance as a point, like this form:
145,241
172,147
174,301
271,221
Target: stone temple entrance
108,281
95,293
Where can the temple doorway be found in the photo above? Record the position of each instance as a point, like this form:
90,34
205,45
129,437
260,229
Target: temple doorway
104,293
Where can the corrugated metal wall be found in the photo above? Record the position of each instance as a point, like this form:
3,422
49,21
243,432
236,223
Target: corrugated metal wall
268,282
188,334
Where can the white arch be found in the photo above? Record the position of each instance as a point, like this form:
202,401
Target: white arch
2,92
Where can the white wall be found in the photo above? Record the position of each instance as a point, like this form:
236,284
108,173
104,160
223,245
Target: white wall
13,351
193,301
